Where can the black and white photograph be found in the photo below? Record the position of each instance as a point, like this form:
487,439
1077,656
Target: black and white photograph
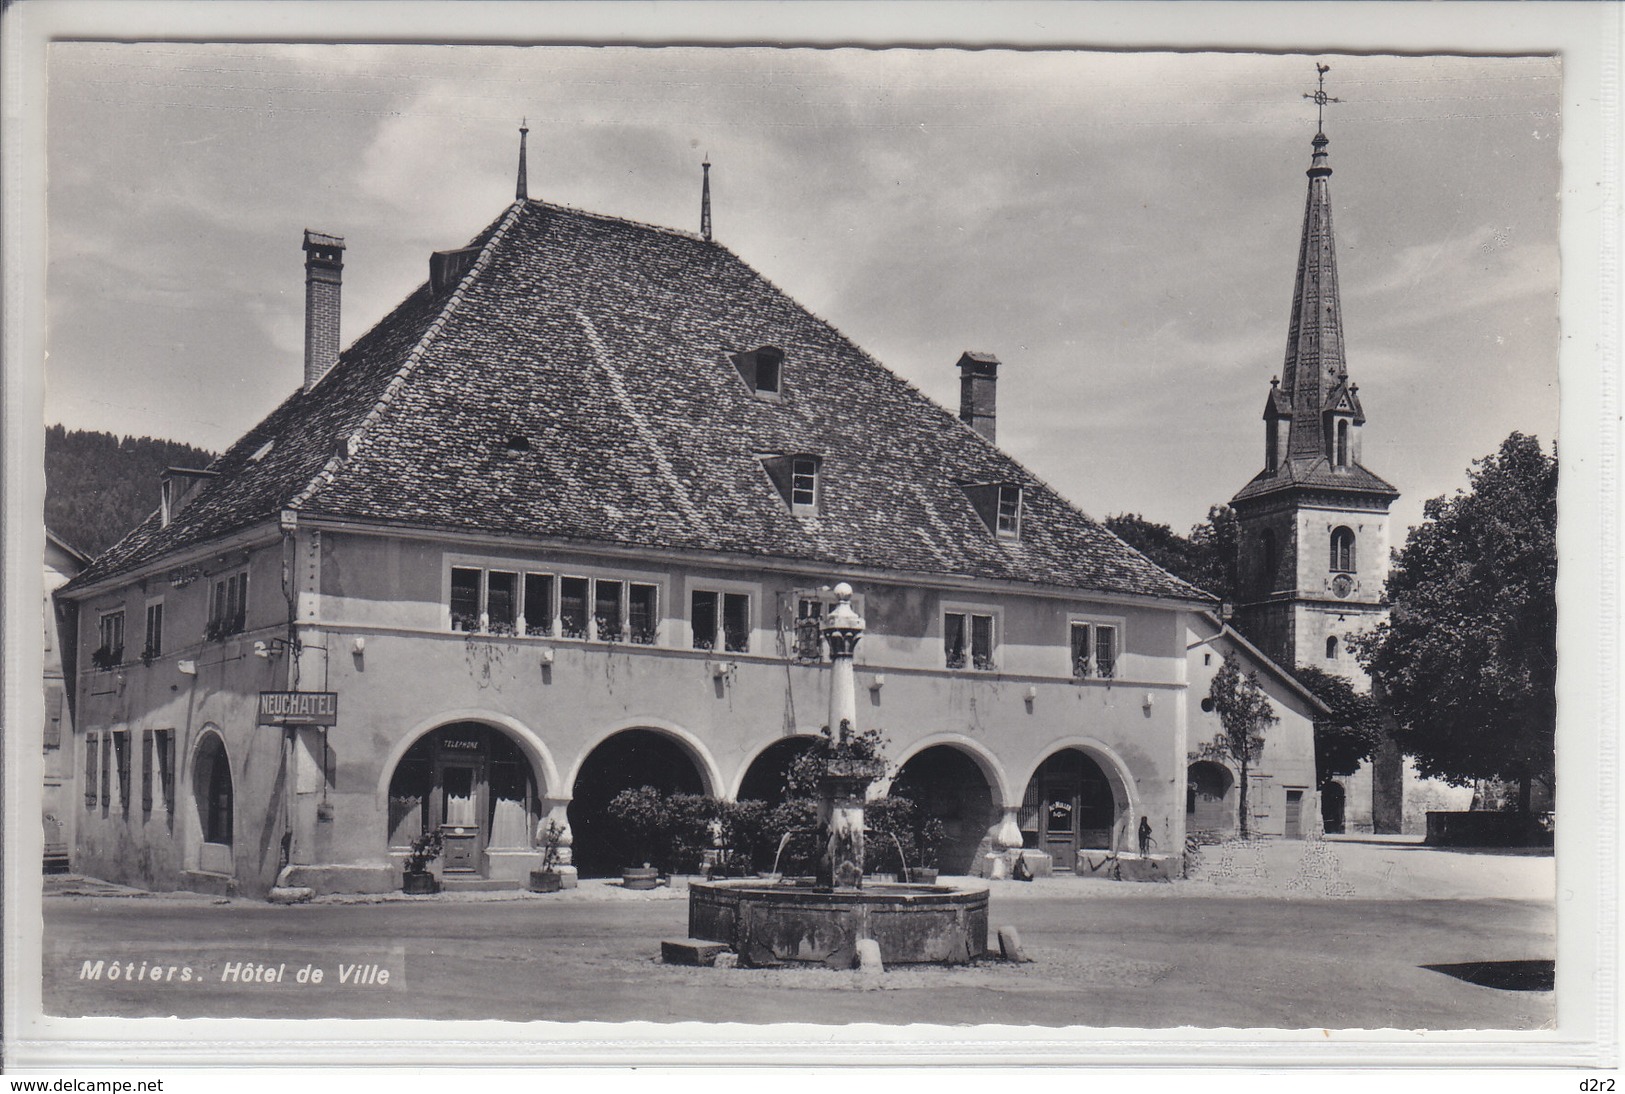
710,534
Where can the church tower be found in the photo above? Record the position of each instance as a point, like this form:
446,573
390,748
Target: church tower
1313,524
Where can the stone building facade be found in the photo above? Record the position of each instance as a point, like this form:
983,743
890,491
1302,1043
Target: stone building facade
564,523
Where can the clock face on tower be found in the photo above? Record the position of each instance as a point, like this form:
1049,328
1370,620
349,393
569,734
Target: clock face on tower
1342,584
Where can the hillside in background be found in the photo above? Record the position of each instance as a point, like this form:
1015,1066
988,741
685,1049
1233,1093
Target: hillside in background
99,486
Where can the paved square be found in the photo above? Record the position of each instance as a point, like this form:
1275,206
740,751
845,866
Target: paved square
1258,946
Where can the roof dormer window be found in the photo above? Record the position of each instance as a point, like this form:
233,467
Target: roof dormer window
762,369
1009,516
803,483
769,365
796,478
999,504
446,268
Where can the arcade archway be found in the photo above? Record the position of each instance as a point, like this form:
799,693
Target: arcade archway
945,783
214,797
1070,806
764,778
212,789
626,760
472,783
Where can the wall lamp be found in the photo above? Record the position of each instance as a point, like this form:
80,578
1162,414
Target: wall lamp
546,654
719,669
276,647
1150,700
878,682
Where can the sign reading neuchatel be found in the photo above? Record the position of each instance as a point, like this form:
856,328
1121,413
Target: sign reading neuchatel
299,708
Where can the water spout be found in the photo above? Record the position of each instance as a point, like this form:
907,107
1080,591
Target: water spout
783,841
902,859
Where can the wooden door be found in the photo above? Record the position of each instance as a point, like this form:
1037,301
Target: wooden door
461,835
1059,821
1294,814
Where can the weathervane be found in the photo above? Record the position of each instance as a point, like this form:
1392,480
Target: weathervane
1320,97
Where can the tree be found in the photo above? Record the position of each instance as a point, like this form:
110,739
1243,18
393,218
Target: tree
1206,558
1244,714
1467,661
1215,546
98,486
1347,737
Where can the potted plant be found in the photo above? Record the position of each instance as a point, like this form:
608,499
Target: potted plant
548,879
927,841
416,878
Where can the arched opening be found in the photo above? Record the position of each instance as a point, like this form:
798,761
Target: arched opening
627,760
215,800
764,778
1070,806
473,784
1331,648
1332,797
1343,443
945,783
1342,550
1208,798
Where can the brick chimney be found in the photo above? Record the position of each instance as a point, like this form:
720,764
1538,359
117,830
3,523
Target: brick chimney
978,383
324,272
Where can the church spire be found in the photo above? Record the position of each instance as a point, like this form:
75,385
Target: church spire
1315,365
705,200
522,190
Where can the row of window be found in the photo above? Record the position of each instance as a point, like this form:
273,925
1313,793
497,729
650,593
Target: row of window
228,611
107,771
606,609
544,605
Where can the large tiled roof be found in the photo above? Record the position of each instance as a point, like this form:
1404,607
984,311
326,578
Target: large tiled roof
607,345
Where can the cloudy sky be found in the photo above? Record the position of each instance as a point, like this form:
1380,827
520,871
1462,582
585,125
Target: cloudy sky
1121,229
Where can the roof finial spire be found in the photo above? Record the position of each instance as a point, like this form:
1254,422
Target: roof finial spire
522,191
1320,97
705,199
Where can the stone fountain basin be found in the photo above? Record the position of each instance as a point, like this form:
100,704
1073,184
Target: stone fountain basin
770,924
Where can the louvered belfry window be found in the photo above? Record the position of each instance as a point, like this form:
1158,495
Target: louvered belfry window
1342,560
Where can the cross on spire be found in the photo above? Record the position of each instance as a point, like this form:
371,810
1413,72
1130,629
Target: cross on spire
1320,97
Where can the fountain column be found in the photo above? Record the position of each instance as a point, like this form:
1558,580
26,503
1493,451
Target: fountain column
845,779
